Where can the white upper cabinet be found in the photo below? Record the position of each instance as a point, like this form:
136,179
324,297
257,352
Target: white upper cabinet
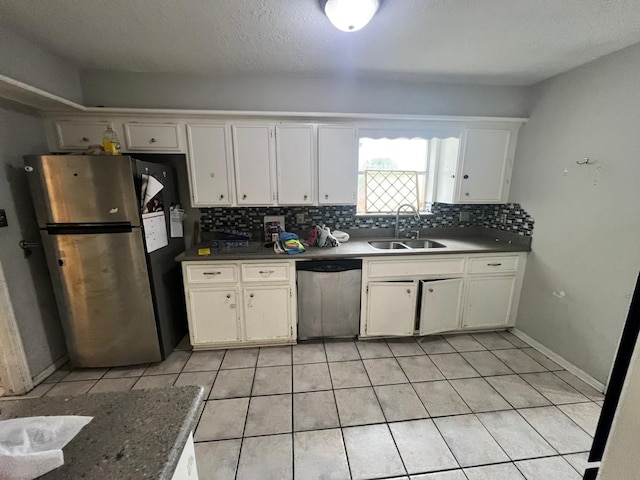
485,154
252,153
79,135
337,165
209,164
481,172
152,136
295,159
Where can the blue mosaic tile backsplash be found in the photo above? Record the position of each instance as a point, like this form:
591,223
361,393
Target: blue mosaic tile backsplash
344,217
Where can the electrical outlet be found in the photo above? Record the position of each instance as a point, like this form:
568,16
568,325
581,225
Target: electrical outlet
3,218
299,218
464,216
503,218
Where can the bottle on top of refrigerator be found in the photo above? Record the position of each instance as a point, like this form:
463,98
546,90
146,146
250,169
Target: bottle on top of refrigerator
110,142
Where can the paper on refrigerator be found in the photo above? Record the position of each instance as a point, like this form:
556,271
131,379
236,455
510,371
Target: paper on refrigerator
150,187
155,231
176,216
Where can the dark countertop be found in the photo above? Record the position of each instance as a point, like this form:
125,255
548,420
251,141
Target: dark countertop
455,240
133,435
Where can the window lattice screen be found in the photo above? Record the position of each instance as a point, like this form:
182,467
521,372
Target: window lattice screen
386,190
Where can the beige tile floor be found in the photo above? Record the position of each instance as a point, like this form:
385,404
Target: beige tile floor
456,407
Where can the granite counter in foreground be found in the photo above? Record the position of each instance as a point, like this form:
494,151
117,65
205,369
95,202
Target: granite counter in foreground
133,435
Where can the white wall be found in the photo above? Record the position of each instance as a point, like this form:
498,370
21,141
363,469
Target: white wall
28,281
299,94
23,60
586,239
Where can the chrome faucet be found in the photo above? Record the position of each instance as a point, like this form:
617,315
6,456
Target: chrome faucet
416,216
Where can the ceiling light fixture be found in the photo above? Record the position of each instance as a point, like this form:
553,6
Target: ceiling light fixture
350,15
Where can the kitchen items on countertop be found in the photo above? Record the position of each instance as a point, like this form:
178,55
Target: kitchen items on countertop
323,237
288,243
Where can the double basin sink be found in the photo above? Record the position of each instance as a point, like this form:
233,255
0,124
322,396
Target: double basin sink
405,244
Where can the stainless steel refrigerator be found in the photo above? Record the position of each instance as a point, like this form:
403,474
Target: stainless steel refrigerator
119,303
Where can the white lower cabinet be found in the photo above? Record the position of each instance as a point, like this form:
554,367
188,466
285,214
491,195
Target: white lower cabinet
232,310
457,292
488,301
441,303
215,315
391,308
267,313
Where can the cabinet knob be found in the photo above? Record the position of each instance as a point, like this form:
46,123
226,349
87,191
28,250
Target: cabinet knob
251,295
326,197
228,295
453,176
408,290
221,197
244,197
305,197
85,139
467,194
431,290
153,140
212,175
465,177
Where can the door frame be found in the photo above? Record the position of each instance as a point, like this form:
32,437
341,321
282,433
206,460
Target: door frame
15,376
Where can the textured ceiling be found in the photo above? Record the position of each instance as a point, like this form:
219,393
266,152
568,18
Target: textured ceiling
504,42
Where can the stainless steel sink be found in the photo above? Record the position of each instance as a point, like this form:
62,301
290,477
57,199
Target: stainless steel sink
388,245
422,244
405,244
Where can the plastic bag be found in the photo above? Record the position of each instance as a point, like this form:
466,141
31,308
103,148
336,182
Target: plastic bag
32,446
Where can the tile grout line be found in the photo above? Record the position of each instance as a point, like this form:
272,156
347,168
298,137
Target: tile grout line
384,415
246,417
335,402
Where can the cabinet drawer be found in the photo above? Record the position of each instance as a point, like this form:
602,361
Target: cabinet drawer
494,264
268,272
413,266
211,274
80,134
150,136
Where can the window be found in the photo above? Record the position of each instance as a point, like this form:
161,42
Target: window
396,168
391,172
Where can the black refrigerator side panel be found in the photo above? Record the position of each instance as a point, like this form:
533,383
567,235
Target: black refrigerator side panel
164,272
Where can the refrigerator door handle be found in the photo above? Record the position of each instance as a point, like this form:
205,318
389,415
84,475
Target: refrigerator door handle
88,228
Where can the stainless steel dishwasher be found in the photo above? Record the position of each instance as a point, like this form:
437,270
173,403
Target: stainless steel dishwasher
329,298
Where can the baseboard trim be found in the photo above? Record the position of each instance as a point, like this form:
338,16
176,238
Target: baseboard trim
43,375
581,374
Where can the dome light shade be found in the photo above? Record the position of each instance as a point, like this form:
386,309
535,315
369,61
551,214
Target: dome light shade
350,15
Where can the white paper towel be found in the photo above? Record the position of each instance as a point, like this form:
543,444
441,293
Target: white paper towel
32,446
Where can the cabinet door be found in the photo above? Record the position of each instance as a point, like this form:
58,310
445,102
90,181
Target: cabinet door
337,165
391,308
294,160
267,313
209,165
488,301
484,165
152,136
79,135
441,302
252,155
213,315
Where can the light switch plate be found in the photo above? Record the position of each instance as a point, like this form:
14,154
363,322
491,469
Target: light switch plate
299,218
464,216
3,218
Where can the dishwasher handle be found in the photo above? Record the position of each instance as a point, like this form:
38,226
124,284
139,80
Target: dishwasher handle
328,266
